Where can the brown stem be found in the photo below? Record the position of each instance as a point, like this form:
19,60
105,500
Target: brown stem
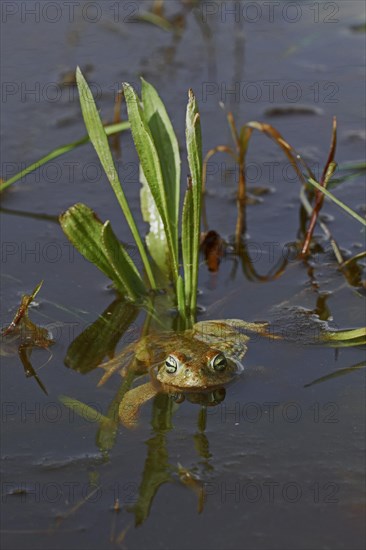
319,196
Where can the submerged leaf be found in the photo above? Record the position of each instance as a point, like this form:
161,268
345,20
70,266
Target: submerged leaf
84,411
100,339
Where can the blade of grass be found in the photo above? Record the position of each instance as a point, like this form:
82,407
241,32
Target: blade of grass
168,151
109,130
337,201
187,244
354,258
194,151
99,140
151,167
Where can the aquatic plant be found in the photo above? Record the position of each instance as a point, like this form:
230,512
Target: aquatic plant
158,152
170,251
311,202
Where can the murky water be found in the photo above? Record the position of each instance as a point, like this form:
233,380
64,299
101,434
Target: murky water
280,465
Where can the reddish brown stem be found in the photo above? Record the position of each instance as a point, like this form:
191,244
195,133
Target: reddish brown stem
319,196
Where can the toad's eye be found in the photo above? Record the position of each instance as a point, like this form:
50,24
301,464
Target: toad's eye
171,364
219,362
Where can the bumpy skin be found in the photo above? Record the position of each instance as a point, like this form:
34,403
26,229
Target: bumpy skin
194,354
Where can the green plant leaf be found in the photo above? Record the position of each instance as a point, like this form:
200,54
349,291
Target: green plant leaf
109,130
123,266
150,164
194,151
345,338
337,201
156,239
97,243
83,229
187,243
181,298
167,148
99,139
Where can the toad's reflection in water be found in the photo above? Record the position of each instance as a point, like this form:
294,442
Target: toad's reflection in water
187,363
191,366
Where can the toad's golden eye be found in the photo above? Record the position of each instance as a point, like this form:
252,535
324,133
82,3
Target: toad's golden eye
219,362
171,364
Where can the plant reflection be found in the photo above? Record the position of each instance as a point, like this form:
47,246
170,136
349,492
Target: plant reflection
337,373
86,353
100,340
157,469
